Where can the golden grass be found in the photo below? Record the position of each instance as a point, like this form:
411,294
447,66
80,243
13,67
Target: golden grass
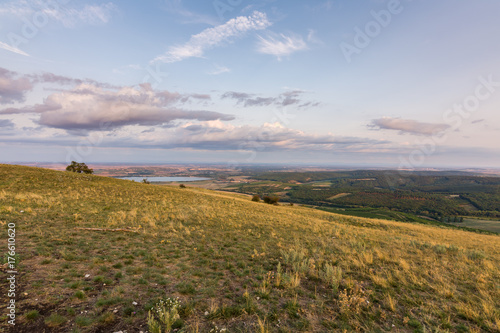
359,274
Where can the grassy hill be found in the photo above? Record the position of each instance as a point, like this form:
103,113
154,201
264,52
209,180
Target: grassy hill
234,264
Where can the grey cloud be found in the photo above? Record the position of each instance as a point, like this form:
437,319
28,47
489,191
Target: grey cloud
90,107
285,99
12,87
64,80
6,123
408,126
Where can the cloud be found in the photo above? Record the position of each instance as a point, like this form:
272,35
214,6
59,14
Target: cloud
407,126
89,14
219,70
67,15
90,107
12,49
219,136
280,45
284,99
312,38
12,87
6,123
212,37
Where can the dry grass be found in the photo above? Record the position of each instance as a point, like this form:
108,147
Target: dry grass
252,267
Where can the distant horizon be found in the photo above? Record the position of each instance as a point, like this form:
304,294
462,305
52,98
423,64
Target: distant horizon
270,165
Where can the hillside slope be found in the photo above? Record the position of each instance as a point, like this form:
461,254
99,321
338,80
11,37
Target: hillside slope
233,263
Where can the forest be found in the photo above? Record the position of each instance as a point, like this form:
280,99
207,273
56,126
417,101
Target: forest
440,196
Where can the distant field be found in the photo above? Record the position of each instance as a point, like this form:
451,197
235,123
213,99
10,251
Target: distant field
490,225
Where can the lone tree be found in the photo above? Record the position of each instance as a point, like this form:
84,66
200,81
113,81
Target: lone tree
256,198
272,200
79,168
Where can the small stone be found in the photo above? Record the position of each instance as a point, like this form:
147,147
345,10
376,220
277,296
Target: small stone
134,303
87,276
206,313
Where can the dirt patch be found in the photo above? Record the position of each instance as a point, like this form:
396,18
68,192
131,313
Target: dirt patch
340,195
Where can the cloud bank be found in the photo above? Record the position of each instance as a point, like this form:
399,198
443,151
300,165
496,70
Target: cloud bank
90,107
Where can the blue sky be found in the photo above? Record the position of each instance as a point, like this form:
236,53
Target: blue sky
393,83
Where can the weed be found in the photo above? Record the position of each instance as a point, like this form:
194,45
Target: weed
83,321
55,320
162,317
79,294
32,315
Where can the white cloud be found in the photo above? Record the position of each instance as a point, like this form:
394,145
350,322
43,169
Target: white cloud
89,14
281,45
219,70
12,49
212,37
312,38
67,14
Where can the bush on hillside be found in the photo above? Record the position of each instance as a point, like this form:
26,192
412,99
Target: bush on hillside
272,200
79,168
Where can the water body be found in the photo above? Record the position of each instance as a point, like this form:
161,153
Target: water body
165,179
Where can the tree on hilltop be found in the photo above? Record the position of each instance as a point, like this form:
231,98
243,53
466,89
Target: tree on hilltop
79,168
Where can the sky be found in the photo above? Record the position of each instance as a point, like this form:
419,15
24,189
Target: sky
399,84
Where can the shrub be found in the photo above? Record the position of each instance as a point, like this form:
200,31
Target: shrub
182,186
272,200
79,168
256,198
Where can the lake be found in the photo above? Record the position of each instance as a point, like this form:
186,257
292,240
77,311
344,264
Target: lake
165,179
